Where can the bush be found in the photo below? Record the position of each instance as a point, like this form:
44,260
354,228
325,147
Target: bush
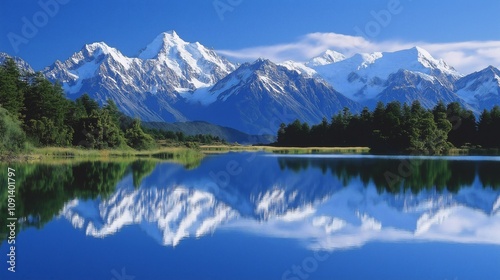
137,138
45,132
12,137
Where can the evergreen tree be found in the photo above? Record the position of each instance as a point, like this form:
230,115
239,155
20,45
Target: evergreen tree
11,88
137,139
99,131
492,136
46,109
281,140
464,127
390,128
484,126
87,103
113,110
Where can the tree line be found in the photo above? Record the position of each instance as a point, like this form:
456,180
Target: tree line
430,175
179,136
34,111
396,128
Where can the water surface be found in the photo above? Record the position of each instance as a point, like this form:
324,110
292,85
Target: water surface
259,216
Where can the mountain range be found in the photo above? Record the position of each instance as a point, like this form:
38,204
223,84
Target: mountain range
172,80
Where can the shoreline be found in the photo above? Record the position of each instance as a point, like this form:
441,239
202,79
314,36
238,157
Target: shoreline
171,153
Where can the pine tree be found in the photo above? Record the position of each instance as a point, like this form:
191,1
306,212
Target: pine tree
87,103
484,129
464,127
11,88
137,139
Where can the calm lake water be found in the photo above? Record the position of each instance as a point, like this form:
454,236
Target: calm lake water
258,216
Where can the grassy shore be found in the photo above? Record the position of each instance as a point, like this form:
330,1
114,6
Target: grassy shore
210,149
186,156
191,156
474,152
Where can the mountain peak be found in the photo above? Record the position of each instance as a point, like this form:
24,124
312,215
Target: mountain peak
419,59
262,60
261,64
96,45
170,33
488,73
422,53
414,52
162,43
98,48
492,69
170,38
21,64
328,57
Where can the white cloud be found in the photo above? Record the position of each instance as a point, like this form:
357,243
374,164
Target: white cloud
466,57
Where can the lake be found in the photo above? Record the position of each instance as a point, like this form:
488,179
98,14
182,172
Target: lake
256,216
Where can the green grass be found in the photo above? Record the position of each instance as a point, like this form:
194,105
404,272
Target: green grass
284,150
188,157
192,156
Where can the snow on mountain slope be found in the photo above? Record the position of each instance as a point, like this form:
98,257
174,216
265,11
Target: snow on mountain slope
199,66
94,60
363,76
261,95
407,86
146,86
208,95
403,76
173,80
328,57
300,68
481,90
21,64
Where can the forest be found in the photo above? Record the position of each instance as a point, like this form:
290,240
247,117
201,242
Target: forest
396,128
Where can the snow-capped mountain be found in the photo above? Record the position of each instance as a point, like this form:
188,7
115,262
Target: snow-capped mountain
480,90
328,57
404,76
173,80
258,96
21,64
407,86
146,86
363,77
195,65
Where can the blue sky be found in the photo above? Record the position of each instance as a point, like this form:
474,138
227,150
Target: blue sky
464,33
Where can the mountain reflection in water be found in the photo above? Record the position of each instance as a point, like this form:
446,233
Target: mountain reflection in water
327,202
